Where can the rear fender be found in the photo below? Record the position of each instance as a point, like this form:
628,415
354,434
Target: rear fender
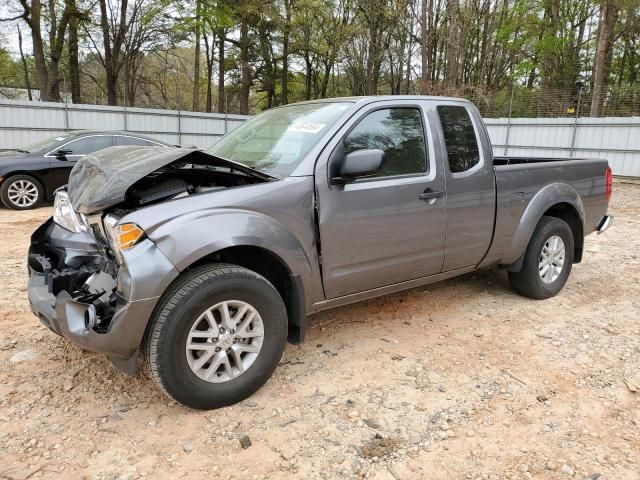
543,200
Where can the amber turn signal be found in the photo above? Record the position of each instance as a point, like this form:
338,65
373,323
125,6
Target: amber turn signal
127,235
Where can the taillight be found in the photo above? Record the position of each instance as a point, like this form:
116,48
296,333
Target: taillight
609,189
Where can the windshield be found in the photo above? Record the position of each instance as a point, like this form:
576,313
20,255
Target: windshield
47,143
275,141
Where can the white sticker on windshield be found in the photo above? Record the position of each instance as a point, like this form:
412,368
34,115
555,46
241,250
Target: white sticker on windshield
306,127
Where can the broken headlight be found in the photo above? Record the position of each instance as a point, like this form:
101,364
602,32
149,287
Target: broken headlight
65,216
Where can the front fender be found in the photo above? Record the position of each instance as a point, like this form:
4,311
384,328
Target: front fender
543,200
187,238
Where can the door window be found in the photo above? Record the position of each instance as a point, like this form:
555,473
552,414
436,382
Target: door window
86,145
123,140
459,138
399,133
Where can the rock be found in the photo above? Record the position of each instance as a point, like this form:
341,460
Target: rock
633,383
371,423
9,345
594,476
23,356
352,414
19,473
67,386
541,398
470,433
567,470
442,388
245,441
188,447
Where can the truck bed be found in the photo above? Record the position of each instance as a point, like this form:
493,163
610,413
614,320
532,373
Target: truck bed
520,179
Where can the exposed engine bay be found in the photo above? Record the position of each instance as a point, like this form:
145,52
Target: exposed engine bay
180,179
131,177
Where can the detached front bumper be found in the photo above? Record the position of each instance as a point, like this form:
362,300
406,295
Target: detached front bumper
113,323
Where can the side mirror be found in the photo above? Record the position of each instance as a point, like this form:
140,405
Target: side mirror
361,163
62,153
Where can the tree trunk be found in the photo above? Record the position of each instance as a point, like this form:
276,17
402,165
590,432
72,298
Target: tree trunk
245,80
195,97
426,38
111,77
284,95
222,104
603,58
38,51
209,53
453,40
25,69
74,64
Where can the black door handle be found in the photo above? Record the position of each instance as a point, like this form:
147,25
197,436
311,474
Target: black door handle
429,195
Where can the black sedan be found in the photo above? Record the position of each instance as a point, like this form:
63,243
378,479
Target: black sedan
31,175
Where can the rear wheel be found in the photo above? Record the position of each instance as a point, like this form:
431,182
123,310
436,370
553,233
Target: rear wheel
217,336
21,192
547,260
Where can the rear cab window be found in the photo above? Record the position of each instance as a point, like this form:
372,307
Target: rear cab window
399,133
459,137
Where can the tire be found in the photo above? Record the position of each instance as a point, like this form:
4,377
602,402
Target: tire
34,192
529,281
176,319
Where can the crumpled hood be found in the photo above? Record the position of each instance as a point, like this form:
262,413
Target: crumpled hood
101,180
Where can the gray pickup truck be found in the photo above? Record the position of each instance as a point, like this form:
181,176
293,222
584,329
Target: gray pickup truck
208,262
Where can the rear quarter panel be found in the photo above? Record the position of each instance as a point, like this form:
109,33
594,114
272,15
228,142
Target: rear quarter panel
525,192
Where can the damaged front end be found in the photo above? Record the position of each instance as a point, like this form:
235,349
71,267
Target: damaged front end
82,291
95,278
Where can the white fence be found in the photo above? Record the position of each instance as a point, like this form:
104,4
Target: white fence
23,122
616,139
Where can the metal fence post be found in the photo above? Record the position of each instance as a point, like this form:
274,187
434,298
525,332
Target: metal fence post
575,126
179,128
66,115
506,140
226,112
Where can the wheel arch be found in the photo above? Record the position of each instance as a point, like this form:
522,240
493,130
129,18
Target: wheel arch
272,267
558,200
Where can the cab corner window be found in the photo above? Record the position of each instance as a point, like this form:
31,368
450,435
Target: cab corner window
459,137
399,133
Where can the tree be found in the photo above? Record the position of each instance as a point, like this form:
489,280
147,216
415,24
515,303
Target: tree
47,51
608,18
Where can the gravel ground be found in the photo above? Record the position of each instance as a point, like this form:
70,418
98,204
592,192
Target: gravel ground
462,379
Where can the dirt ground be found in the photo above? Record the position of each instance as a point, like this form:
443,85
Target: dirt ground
462,379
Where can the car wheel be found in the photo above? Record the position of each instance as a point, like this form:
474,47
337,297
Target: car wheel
21,192
547,260
216,336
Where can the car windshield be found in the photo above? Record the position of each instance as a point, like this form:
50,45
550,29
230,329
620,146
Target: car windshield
47,143
276,141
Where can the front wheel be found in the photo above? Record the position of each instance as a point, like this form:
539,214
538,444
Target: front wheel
217,336
547,260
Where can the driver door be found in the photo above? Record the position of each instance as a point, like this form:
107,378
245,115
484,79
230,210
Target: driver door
381,230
